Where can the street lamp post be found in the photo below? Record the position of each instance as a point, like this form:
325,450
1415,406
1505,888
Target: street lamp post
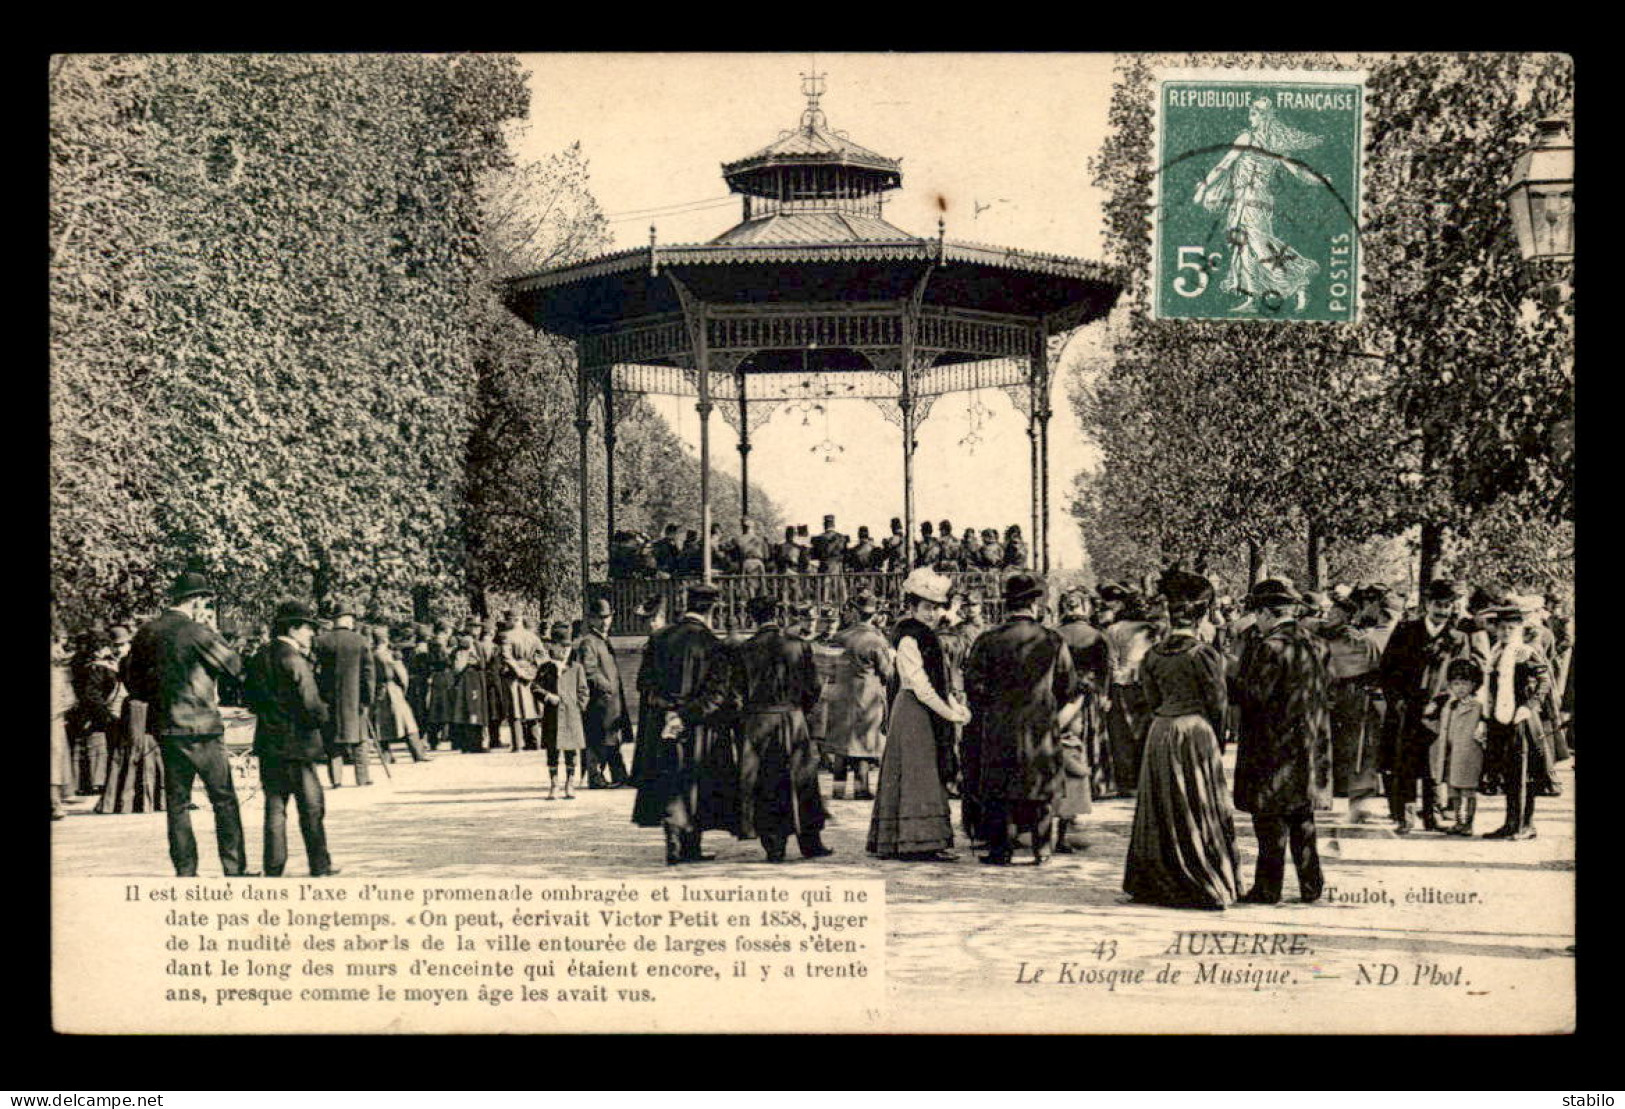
1541,194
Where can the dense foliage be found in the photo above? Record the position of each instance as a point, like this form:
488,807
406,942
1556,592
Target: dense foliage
278,354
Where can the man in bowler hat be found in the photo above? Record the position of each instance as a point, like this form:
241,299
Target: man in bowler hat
1283,759
687,777
346,675
1018,679
607,722
174,665
1412,674
289,714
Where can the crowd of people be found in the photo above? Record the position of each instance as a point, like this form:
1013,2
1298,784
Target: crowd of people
635,555
1127,693
1130,694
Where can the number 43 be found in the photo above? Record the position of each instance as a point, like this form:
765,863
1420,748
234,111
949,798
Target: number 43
1190,258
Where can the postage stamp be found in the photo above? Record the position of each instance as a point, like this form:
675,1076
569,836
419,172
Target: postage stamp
1258,195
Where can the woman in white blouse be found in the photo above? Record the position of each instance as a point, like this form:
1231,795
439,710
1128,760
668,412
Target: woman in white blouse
911,819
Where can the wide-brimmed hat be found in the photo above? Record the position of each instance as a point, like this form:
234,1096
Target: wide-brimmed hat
1514,609
1113,591
190,585
289,613
650,606
1022,586
863,601
928,584
1441,589
1271,592
701,596
600,606
1182,587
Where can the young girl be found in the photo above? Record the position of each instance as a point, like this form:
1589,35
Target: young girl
561,683
1457,756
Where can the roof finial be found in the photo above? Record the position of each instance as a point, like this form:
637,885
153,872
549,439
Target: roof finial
812,87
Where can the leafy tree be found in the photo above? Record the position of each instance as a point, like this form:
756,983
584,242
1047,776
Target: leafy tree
103,227
305,239
1480,351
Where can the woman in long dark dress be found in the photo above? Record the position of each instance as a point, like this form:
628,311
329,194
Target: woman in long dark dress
911,818
1183,849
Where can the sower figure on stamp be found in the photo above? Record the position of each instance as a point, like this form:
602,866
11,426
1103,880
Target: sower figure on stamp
1283,757
775,684
173,666
1413,673
608,723
288,717
1019,680
346,675
684,767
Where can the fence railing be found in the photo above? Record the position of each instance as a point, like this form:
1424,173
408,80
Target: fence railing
627,595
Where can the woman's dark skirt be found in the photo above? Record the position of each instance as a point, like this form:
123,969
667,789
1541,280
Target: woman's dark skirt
1183,849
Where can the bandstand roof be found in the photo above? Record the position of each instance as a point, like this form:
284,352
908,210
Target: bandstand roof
600,293
813,236
812,143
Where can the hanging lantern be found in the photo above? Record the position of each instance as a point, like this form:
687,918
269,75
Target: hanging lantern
1541,196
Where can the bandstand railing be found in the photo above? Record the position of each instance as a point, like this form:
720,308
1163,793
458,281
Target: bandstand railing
627,595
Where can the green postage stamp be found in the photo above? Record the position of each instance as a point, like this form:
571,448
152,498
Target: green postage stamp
1258,195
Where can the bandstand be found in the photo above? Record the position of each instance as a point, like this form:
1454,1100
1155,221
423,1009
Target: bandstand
813,296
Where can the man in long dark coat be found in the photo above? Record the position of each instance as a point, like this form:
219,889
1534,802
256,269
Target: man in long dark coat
521,656
607,722
1283,758
1092,662
173,667
1018,677
684,766
1412,673
288,717
347,676
776,685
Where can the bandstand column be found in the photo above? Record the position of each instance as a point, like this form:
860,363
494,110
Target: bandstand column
609,452
1032,447
744,447
583,426
702,361
905,403
1041,411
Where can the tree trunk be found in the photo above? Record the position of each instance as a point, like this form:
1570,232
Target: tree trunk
1255,562
1432,552
1316,556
